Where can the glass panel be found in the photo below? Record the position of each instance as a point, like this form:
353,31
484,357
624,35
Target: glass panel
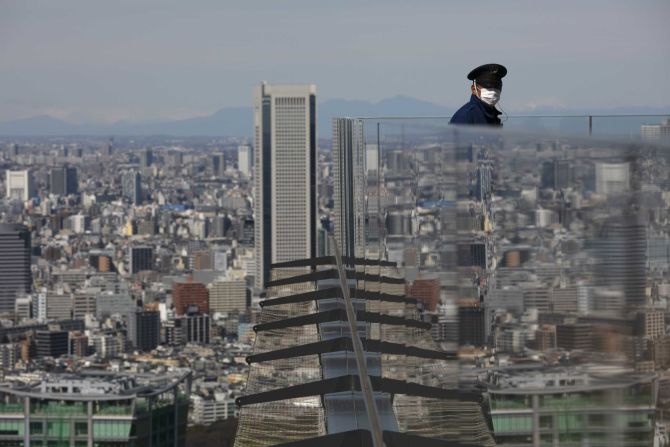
58,429
11,427
80,428
36,428
111,429
536,240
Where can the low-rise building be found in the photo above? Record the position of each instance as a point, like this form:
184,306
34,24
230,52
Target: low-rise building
207,410
571,406
96,409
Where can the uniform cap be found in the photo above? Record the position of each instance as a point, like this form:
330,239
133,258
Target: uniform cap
488,75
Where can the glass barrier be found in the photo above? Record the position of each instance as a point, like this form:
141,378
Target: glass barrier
543,259
654,128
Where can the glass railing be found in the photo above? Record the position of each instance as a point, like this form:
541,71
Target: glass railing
550,247
651,127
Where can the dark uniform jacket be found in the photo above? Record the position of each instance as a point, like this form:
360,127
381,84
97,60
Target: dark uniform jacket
476,112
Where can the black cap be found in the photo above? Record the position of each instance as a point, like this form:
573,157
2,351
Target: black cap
488,75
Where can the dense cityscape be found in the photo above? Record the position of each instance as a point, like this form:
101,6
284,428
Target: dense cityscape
132,271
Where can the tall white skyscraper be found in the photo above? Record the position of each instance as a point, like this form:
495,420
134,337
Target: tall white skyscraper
20,185
244,160
285,218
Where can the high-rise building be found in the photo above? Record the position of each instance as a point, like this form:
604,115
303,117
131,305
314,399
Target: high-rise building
285,164
132,187
58,305
63,181
202,260
108,150
218,165
15,274
144,329
349,186
621,250
372,158
83,303
228,296
146,158
651,324
612,178
471,323
244,159
110,303
426,290
207,410
574,336
484,182
79,223
52,343
20,185
78,344
23,308
556,174
140,259
471,254
655,132
193,328
191,295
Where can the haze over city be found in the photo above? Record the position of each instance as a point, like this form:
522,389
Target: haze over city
153,60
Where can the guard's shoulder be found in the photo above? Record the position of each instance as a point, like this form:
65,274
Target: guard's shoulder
464,115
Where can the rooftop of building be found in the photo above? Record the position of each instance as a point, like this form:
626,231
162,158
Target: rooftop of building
95,385
539,379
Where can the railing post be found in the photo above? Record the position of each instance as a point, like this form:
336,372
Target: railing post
361,361
590,125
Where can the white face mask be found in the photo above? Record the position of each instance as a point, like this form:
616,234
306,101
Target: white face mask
489,96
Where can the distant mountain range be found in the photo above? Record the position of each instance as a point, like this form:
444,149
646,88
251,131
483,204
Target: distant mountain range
237,121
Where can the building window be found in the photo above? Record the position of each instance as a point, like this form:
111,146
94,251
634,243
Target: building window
111,429
60,429
546,421
80,428
10,427
36,428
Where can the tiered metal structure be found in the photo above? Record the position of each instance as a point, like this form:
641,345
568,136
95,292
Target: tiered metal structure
314,381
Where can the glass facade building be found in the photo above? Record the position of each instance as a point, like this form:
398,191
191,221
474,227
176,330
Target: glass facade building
96,410
571,408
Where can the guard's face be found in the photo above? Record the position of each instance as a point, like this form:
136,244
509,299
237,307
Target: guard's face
489,93
477,90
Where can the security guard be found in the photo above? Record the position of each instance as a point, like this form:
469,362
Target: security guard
486,87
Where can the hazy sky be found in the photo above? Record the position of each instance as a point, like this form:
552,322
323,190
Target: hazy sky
149,59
